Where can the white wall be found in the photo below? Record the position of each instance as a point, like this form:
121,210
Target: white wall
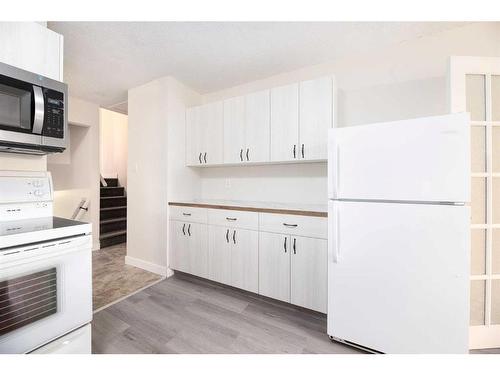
404,81
113,145
80,178
147,176
156,167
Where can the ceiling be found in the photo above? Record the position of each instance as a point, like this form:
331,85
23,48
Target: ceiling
102,60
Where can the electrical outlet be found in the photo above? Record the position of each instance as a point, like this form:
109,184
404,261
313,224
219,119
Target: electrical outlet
228,183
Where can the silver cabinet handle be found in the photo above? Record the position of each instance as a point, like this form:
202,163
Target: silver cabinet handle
39,112
205,157
284,245
294,151
302,151
241,154
294,247
186,214
227,236
234,236
231,218
290,225
184,229
189,230
248,150
199,158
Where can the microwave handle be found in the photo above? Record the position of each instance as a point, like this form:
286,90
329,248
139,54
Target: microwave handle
39,110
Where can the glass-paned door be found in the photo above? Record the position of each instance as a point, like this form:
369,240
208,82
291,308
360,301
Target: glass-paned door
482,99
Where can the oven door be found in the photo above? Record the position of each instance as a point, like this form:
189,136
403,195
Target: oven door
22,111
45,292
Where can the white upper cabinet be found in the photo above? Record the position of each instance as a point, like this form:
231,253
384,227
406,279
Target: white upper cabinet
285,123
193,136
213,123
33,47
204,134
234,129
257,118
288,123
315,117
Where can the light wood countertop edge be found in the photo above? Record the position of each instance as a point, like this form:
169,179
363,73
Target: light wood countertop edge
283,211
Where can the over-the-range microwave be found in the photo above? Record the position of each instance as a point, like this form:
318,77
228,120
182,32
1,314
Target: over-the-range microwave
33,112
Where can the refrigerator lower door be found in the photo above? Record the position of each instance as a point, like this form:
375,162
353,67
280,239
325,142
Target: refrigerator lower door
399,276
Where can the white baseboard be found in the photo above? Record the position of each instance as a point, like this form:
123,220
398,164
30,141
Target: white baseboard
96,246
170,272
145,265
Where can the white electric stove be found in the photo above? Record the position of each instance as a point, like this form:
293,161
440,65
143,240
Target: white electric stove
45,270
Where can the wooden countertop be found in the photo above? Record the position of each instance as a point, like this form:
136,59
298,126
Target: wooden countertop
268,207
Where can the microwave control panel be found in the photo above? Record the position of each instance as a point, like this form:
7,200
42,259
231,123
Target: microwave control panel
53,125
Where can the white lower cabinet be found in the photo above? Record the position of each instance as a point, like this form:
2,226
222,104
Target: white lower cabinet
219,258
245,259
189,250
278,256
274,265
308,281
293,269
233,257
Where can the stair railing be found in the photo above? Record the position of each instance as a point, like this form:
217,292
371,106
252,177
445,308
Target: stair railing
81,209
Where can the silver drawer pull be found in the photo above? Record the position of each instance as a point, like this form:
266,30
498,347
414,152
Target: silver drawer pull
290,225
231,218
185,214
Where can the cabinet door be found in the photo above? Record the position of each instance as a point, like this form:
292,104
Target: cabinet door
245,259
257,126
197,238
193,136
179,251
285,123
308,285
274,266
315,117
234,129
213,125
219,257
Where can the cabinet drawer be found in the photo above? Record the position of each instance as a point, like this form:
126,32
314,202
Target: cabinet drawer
190,214
307,226
234,219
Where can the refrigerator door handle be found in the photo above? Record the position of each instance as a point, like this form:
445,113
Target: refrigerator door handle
333,167
333,228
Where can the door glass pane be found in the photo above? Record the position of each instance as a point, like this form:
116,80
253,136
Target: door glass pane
478,251
496,200
477,290
476,96
495,301
478,148
495,132
15,107
478,203
495,256
495,98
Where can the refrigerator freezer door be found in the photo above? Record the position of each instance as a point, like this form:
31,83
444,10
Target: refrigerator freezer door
424,159
399,276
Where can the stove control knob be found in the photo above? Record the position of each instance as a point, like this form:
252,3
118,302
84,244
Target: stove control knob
38,193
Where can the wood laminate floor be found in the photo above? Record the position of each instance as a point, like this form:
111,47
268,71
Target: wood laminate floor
184,314
112,279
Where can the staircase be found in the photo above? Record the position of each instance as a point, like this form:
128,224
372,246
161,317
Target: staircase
113,219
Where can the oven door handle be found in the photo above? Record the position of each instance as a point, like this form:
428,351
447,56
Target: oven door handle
39,109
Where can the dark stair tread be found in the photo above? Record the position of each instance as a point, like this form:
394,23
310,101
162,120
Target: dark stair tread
107,221
115,197
112,234
113,208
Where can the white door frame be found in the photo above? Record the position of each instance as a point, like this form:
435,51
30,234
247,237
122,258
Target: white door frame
487,335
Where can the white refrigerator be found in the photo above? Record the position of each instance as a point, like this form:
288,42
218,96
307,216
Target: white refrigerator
398,257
